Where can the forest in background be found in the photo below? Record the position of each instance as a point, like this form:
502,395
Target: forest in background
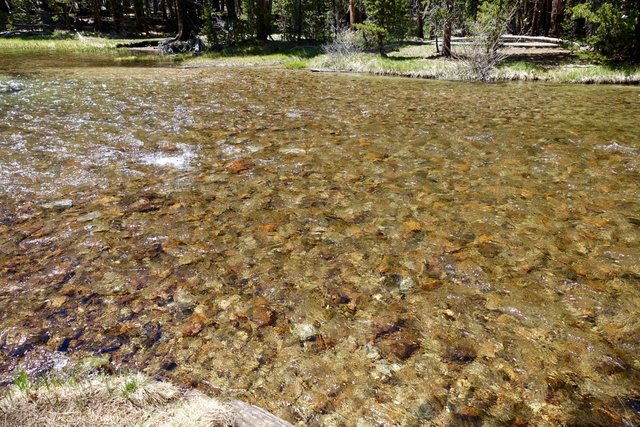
610,28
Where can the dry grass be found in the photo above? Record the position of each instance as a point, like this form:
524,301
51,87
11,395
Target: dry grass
130,400
421,61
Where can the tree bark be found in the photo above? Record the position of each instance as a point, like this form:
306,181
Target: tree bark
557,13
636,45
97,17
448,29
263,19
419,20
141,24
545,17
231,10
299,21
536,18
184,23
354,14
116,14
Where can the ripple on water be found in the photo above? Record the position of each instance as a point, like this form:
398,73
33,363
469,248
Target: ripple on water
337,249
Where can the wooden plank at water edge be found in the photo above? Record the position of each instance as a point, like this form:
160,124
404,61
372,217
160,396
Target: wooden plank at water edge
252,416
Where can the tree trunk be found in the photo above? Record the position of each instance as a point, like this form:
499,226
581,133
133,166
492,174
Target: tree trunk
263,19
536,18
448,29
419,20
147,9
299,21
636,44
116,14
354,14
184,23
97,18
173,19
138,8
545,17
557,13
231,10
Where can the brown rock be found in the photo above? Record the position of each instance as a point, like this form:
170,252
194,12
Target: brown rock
412,225
429,284
142,205
468,411
387,323
399,345
240,165
343,296
267,228
262,314
58,301
461,352
194,325
488,250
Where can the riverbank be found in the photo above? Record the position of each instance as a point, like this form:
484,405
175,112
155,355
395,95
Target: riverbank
548,69
418,60
413,60
124,399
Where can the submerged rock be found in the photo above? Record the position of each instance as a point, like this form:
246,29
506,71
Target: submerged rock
305,332
59,205
90,216
240,165
400,345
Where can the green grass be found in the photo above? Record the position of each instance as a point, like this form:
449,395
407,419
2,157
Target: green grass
438,68
597,74
393,66
22,382
273,53
130,386
51,43
296,64
404,59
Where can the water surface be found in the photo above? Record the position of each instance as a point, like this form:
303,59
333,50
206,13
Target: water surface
337,249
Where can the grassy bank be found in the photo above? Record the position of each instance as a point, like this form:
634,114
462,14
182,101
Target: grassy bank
407,59
275,53
552,66
63,42
101,399
110,400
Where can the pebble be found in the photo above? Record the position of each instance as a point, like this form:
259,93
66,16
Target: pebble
59,205
406,283
305,332
400,345
90,216
240,165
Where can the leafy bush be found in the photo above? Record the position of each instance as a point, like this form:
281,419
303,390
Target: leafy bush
373,35
610,29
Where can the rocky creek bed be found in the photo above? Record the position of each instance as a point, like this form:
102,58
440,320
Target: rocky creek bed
339,250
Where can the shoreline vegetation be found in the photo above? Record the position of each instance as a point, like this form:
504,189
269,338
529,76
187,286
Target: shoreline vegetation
409,59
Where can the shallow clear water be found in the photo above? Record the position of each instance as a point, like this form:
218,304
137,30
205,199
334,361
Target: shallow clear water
336,249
